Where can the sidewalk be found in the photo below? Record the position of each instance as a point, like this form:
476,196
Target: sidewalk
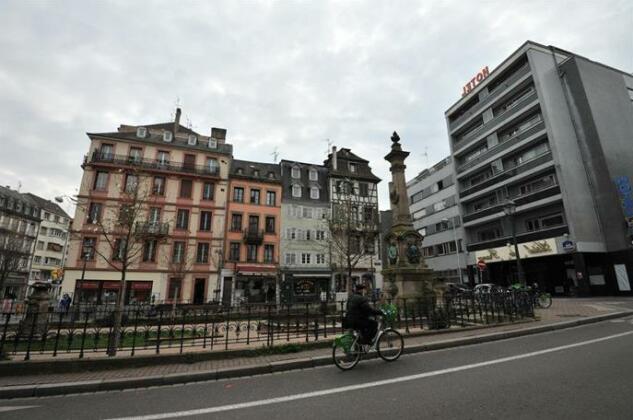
563,313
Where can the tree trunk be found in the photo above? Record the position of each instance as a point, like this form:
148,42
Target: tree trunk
115,338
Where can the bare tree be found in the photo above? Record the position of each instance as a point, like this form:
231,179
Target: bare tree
128,234
14,250
352,230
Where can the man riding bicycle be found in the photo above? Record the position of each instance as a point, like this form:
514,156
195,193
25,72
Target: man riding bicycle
359,313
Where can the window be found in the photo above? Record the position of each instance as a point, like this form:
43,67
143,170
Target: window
234,251
422,231
213,167
296,191
308,234
141,132
320,258
256,173
419,214
291,233
162,158
101,181
118,252
270,224
40,245
192,140
202,255
178,254
56,218
159,185
368,215
363,189
185,188
149,251
88,248
175,288
537,184
352,167
253,223
441,226
254,196
213,143
531,153
320,235
314,176
427,251
370,247
271,198
236,222
305,258
296,172
488,234
552,220
440,205
208,190
106,152
238,194
205,220
314,193
269,253
307,212
94,213
167,136
131,183
182,219
251,253
291,259
136,155
355,245
154,215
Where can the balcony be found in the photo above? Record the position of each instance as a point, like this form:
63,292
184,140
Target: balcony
150,164
254,236
519,108
492,96
522,237
151,229
501,146
508,173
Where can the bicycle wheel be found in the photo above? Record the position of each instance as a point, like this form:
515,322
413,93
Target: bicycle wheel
390,345
544,300
346,360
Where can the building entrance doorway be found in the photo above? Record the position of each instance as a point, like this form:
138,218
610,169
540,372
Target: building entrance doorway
198,291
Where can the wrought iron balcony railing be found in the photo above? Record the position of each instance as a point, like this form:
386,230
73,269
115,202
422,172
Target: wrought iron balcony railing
151,164
151,228
254,236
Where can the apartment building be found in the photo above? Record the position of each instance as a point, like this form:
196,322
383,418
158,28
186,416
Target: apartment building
51,247
550,131
435,213
251,258
305,252
354,196
174,180
19,226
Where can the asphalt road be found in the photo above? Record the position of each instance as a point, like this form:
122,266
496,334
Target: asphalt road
579,373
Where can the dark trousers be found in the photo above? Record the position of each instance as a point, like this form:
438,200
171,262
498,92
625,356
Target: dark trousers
367,328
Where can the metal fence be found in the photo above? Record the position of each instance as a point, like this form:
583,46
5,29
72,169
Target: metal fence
163,329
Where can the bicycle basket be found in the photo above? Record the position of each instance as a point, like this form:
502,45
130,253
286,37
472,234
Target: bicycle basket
345,341
391,313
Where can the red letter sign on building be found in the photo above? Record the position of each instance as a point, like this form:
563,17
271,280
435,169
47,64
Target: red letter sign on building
468,87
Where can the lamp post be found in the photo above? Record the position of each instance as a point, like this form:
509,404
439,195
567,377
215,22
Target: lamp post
509,208
459,264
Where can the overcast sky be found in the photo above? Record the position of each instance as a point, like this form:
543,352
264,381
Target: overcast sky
285,75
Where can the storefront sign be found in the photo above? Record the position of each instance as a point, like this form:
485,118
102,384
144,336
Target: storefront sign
141,285
88,284
568,245
304,287
526,250
479,77
626,197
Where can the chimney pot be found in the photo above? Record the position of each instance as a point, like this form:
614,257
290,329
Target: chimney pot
177,120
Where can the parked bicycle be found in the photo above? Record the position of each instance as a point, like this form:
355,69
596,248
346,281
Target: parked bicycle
537,297
388,343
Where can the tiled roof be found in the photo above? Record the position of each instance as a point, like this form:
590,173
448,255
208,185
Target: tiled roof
48,205
246,169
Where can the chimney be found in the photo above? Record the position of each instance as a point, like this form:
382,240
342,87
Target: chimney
177,121
218,134
334,163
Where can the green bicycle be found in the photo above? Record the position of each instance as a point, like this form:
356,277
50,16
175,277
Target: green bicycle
388,343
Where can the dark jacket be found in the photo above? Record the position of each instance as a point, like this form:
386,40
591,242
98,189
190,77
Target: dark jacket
359,309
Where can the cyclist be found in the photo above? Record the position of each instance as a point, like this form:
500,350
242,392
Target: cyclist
359,313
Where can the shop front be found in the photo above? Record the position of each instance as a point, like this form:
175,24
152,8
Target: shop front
255,284
102,292
305,287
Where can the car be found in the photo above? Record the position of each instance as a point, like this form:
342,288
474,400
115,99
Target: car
457,289
486,288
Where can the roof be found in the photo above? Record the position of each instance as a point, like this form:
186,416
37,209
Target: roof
48,205
246,169
343,157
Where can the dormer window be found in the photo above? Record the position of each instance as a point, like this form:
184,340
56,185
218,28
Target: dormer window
192,140
239,171
296,173
271,175
296,191
141,132
255,172
352,167
213,143
314,176
167,136
314,193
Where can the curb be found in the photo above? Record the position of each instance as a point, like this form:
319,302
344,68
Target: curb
41,390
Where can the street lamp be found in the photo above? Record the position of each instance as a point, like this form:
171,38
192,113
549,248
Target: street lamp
459,264
510,208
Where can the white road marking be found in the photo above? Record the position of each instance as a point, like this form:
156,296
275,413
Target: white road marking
16,407
277,400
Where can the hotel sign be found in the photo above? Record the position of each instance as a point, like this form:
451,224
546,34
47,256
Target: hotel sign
526,250
479,77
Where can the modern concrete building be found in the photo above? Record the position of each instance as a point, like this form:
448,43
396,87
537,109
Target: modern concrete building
305,253
551,131
51,248
433,204
19,226
251,264
181,177
354,192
